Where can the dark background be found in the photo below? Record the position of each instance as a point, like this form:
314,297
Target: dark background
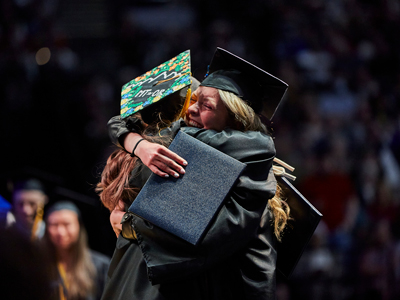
339,124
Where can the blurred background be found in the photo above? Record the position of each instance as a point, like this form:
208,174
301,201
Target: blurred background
63,62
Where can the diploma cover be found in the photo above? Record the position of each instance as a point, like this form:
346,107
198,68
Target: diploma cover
185,206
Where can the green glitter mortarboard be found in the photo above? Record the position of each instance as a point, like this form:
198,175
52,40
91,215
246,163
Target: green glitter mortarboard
154,85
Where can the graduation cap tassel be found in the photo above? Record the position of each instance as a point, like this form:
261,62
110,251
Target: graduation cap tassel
38,219
280,171
186,104
283,164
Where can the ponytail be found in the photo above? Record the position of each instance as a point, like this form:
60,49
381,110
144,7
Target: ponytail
114,184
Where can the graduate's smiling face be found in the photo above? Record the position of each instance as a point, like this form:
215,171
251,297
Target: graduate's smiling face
207,110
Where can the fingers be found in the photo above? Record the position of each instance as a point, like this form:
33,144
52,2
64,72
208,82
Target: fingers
117,232
117,227
116,217
161,161
174,158
164,162
166,168
169,167
158,172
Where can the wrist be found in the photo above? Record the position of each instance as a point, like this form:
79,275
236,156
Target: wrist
140,149
135,147
130,141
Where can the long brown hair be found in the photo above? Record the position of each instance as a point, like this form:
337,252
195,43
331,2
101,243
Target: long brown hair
82,272
114,184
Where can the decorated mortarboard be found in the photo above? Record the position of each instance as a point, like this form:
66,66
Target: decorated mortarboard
154,85
259,88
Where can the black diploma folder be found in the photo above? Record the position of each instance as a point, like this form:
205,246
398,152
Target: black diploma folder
299,230
185,206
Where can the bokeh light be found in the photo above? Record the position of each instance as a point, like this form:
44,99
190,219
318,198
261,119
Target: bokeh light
43,56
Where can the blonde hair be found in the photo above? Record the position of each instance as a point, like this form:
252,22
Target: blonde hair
246,119
244,116
280,210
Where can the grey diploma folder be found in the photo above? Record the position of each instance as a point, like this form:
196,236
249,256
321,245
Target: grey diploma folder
186,206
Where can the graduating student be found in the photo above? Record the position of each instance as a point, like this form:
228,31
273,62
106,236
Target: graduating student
28,201
237,257
78,272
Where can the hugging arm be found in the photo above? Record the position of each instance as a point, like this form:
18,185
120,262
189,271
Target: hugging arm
157,158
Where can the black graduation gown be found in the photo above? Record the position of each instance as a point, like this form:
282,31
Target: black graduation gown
236,259
101,263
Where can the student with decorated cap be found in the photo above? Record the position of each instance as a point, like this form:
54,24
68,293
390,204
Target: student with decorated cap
154,100
237,257
149,104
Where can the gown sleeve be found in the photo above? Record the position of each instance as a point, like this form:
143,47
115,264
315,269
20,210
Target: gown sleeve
237,224
117,128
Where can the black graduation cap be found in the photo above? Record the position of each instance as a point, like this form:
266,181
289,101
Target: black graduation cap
260,89
29,184
298,232
63,205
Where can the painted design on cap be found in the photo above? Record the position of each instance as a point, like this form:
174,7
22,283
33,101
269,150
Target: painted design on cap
154,85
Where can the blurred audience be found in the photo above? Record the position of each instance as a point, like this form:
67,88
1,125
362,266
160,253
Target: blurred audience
5,208
339,124
28,201
77,272
23,268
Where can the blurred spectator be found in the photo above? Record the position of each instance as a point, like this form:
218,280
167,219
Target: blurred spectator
78,272
28,201
5,207
316,269
377,264
23,268
332,191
